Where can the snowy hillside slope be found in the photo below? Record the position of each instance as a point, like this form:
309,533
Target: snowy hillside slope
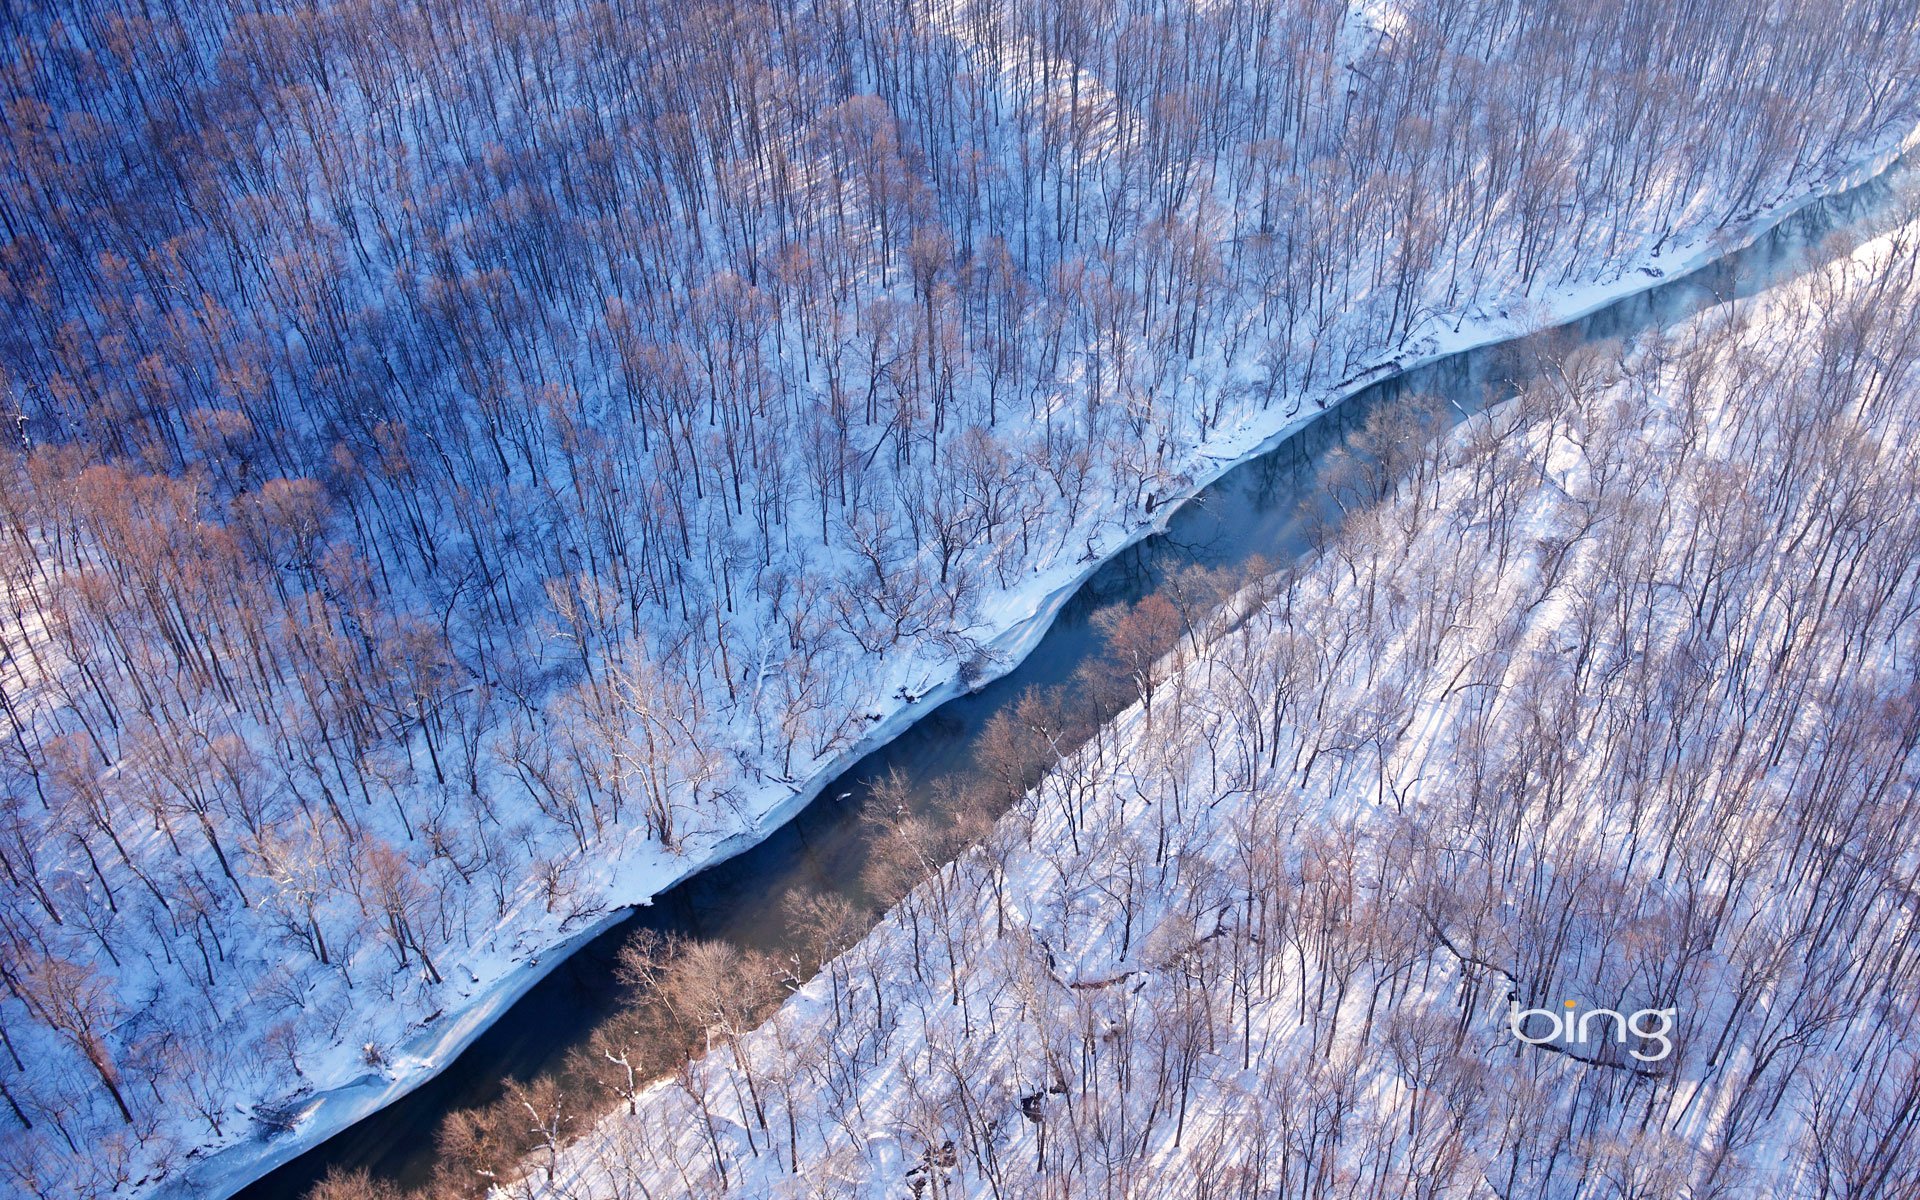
467,481
1604,702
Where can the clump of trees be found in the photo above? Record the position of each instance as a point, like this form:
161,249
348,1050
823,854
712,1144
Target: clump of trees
450,448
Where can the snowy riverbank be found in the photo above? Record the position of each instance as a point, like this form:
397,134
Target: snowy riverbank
1015,621
1607,687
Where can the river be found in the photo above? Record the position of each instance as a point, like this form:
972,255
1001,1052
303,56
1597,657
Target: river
1262,507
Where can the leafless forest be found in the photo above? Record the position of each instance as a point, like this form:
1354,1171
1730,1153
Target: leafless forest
1611,695
463,458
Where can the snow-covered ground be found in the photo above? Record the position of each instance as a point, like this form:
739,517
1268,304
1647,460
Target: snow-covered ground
363,1033
1578,716
1014,621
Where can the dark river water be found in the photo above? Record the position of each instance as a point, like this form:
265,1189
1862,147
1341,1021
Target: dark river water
1263,507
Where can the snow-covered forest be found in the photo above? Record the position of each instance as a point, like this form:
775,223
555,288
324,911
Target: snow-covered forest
1607,699
466,461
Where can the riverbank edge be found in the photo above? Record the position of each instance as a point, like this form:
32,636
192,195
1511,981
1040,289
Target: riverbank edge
220,1173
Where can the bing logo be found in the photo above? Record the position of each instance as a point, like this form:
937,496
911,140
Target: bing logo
1575,1029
